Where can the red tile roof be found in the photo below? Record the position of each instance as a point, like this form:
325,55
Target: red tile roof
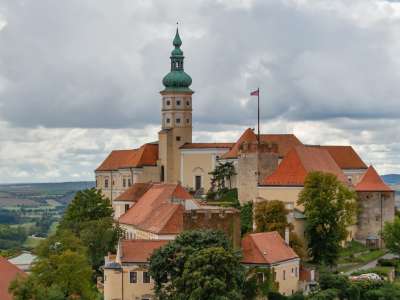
266,248
345,157
285,142
139,251
154,211
134,193
207,145
146,155
372,182
8,272
300,161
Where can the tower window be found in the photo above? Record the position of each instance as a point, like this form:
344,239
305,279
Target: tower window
178,138
187,103
168,102
178,103
187,121
168,120
178,120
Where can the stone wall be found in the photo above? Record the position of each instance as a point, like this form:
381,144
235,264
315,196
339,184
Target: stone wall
250,162
375,208
224,219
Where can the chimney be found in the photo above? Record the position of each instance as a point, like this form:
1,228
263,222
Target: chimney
287,234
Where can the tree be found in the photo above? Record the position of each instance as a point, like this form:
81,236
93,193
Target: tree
90,217
391,235
88,205
272,216
329,207
61,271
221,173
211,273
246,217
168,264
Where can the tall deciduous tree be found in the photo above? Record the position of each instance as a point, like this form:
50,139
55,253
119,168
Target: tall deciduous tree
272,216
212,273
90,217
61,271
329,207
170,265
391,235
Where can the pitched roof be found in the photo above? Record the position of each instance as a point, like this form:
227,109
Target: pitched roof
300,161
247,136
133,193
139,250
266,248
345,156
285,142
154,212
146,155
207,145
372,182
8,272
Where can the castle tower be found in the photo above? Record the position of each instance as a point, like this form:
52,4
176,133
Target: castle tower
176,115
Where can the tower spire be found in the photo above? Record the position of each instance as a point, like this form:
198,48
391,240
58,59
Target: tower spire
177,79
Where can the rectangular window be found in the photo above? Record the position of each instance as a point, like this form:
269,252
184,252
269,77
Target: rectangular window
133,277
178,138
168,120
197,180
178,121
126,207
129,182
284,274
124,182
146,277
106,183
187,121
178,103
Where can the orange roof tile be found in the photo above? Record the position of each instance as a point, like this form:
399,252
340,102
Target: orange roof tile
285,142
134,193
300,161
207,145
8,272
154,211
247,136
139,251
266,248
345,157
372,182
146,155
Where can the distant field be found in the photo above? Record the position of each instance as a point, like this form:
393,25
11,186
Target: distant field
16,202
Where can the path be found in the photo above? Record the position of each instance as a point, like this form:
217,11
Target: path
371,264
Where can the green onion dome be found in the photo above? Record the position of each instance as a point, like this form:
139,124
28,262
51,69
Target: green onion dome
177,79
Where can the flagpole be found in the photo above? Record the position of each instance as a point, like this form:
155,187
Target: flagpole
258,115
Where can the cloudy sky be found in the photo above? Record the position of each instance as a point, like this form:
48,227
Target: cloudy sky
79,78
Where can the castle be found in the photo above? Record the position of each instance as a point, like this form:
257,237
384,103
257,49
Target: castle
149,191
272,169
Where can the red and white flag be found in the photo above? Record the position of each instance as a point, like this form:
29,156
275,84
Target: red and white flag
255,93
